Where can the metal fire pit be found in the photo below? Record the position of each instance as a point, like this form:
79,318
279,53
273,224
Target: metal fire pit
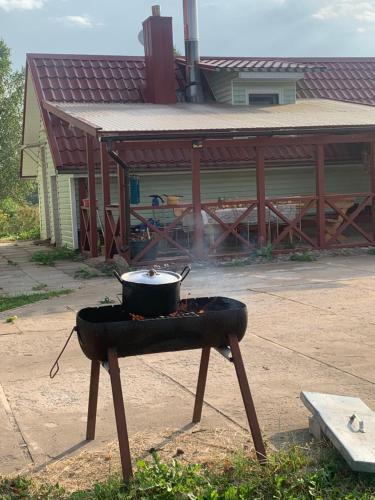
203,322
109,332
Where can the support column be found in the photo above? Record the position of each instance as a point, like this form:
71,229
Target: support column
92,196
372,174
320,193
196,198
121,203
82,193
261,196
106,197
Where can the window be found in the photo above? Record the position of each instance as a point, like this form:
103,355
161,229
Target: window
263,99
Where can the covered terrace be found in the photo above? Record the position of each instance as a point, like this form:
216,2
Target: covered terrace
221,226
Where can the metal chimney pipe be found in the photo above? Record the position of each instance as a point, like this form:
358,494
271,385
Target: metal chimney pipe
194,89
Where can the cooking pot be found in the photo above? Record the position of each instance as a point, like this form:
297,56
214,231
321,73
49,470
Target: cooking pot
150,292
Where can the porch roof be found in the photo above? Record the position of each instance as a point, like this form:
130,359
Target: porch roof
195,120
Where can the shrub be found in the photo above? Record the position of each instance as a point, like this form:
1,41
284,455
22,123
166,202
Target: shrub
18,221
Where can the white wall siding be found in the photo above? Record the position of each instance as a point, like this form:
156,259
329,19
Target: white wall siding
221,85
65,211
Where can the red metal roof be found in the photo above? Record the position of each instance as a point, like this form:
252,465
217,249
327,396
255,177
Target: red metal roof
342,79
339,78
251,64
111,79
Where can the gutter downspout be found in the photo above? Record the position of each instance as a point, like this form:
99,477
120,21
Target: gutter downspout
125,167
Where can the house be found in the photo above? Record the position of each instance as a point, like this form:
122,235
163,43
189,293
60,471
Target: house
250,150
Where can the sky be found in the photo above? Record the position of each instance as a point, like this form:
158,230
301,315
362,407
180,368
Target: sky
227,27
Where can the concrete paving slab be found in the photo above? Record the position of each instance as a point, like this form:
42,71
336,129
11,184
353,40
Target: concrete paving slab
310,327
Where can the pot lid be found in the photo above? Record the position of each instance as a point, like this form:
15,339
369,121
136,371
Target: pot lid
151,277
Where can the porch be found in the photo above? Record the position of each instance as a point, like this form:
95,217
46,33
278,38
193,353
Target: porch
200,226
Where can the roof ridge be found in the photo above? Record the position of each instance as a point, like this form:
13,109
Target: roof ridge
92,57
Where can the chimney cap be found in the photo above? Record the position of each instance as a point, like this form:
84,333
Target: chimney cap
155,10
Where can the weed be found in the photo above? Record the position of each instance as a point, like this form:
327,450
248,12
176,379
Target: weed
85,274
11,319
294,473
37,288
235,263
266,252
371,251
305,256
49,257
21,300
11,262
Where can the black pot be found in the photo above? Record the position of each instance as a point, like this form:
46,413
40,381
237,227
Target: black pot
151,293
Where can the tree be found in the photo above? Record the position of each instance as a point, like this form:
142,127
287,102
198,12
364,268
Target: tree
11,103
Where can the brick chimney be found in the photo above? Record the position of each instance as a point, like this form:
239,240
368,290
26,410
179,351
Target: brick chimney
159,56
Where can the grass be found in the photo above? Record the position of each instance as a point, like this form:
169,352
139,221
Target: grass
294,473
305,256
49,257
11,302
85,273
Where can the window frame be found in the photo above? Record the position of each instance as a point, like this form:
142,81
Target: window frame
275,97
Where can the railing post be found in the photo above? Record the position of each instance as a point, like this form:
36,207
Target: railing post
196,198
106,197
320,193
92,196
372,174
261,195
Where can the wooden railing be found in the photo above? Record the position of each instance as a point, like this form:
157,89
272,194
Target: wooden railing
278,217
231,228
341,206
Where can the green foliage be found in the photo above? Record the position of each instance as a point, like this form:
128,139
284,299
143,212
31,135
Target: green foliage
305,256
11,103
85,273
49,257
18,220
371,251
294,473
161,481
20,300
266,252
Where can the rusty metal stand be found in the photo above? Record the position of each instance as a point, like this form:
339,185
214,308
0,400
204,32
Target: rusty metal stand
247,399
118,403
234,355
243,382
202,377
93,400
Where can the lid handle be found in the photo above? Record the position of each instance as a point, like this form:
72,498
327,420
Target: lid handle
186,270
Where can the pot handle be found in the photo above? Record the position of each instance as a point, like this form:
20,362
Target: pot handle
117,276
186,270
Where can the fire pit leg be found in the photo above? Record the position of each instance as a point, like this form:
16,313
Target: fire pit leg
247,399
202,377
93,400
118,403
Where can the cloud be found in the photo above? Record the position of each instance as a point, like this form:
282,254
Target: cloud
363,11
78,21
21,4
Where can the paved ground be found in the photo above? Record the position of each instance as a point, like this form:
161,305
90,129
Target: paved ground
311,326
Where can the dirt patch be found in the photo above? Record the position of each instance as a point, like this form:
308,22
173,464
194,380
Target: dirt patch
198,445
